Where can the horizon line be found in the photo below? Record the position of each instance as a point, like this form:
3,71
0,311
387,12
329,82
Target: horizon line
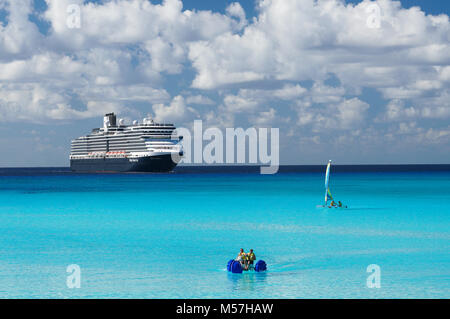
257,165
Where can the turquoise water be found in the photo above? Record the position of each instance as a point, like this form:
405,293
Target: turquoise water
171,235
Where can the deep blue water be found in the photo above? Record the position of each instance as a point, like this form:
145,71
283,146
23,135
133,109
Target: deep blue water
171,235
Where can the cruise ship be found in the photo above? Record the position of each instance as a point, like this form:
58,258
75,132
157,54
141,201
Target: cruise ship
115,147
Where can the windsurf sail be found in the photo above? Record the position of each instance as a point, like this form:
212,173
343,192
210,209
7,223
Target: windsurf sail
327,180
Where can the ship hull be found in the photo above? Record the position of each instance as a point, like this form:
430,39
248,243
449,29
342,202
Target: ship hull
157,163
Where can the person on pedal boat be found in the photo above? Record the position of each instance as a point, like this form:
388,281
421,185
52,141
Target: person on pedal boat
251,258
241,256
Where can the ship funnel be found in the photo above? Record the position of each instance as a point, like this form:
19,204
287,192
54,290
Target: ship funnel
109,120
148,120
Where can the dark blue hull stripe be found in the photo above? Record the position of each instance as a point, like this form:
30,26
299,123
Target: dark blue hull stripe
159,163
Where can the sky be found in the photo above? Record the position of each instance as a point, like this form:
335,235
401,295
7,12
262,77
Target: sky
359,82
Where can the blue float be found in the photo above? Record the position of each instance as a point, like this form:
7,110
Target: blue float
260,266
230,262
236,267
